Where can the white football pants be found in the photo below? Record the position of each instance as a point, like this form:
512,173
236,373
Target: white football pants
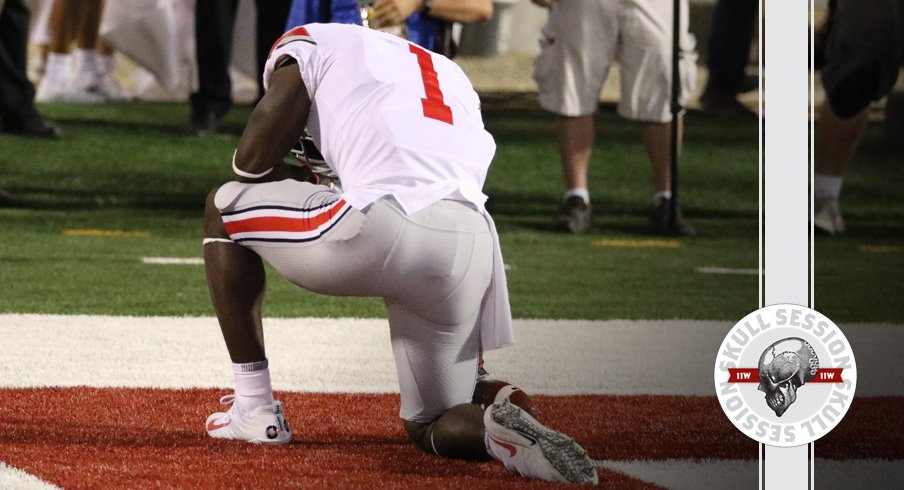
432,268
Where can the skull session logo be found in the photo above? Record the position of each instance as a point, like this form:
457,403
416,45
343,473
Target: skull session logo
782,373
785,375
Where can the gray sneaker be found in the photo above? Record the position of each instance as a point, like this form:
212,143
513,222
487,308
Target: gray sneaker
659,220
827,216
574,216
528,448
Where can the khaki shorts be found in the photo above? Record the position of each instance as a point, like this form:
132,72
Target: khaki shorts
582,38
432,268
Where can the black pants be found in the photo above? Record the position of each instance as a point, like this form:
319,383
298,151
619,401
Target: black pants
214,25
17,94
729,44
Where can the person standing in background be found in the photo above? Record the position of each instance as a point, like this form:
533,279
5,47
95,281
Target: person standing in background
580,41
214,26
18,114
427,23
733,27
83,74
860,60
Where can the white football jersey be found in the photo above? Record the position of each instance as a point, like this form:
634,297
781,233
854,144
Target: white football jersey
390,117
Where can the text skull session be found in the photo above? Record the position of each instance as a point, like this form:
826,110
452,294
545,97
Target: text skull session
785,375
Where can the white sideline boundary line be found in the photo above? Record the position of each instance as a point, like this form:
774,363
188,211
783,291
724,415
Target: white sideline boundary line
554,357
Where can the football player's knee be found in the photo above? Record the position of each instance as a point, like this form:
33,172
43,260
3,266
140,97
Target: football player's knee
457,434
213,222
854,92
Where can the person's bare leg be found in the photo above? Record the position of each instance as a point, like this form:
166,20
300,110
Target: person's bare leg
236,279
103,48
575,137
88,23
657,139
837,140
63,25
71,20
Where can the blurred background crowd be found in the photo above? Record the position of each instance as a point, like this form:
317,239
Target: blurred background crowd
572,53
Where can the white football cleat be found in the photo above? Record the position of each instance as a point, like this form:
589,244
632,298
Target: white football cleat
265,424
827,215
530,449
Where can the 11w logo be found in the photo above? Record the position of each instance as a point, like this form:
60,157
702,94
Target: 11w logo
752,375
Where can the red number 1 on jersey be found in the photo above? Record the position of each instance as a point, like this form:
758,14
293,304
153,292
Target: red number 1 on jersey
434,106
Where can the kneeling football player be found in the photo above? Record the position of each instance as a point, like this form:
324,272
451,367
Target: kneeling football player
400,131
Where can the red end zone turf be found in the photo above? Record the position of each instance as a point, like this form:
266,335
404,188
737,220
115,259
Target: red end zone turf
128,438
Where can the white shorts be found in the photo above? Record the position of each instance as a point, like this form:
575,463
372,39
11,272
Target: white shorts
432,268
582,38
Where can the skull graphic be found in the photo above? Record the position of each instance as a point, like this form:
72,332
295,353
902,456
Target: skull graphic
784,367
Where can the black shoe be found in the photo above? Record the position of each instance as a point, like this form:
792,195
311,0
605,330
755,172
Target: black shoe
36,127
659,220
724,104
203,124
575,216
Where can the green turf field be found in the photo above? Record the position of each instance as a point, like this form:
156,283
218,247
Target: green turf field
124,167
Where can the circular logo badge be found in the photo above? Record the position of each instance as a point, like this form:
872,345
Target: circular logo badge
785,375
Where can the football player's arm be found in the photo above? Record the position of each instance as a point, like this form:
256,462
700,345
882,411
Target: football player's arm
274,126
393,12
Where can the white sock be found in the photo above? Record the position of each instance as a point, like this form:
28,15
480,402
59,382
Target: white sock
827,186
86,67
59,68
252,385
105,66
578,191
662,195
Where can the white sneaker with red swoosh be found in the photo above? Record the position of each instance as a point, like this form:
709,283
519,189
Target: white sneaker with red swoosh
528,448
265,424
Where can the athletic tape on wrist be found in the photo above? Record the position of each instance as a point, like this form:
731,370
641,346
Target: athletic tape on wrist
215,240
247,175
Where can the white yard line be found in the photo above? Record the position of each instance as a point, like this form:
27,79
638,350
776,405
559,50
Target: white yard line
555,357
172,260
11,477
727,270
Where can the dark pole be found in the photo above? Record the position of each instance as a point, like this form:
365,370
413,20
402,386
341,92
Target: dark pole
676,114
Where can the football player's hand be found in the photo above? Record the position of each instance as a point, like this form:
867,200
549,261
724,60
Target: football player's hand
543,3
301,173
394,12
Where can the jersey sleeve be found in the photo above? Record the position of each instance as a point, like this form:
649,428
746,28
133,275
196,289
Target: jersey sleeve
298,44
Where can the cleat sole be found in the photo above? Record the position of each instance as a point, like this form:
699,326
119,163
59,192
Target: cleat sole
565,455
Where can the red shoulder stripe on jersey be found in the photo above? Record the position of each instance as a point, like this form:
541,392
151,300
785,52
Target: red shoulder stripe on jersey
296,34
